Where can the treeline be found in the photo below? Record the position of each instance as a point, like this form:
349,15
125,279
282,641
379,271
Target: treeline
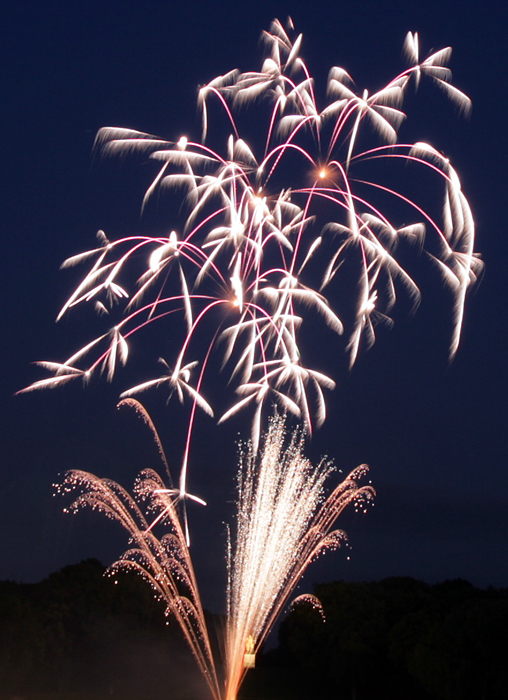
396,639
79,632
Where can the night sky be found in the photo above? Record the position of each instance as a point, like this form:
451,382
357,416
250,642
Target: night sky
433,432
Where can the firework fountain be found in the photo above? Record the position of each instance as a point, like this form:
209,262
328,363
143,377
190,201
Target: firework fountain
304,224
283,523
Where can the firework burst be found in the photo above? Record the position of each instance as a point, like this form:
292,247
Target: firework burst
269,230
164,563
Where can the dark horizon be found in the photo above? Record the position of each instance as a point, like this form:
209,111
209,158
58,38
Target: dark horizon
397,638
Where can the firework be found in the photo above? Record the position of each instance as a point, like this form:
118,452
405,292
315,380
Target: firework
283,523
164,563
268,230
297,224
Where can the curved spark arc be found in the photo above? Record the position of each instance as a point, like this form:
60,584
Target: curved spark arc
164,563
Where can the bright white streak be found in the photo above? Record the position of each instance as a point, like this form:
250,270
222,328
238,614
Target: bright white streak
283,523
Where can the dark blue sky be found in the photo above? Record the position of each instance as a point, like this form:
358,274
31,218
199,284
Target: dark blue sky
433,433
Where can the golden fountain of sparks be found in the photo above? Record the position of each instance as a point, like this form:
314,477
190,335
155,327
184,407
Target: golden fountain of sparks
283,523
